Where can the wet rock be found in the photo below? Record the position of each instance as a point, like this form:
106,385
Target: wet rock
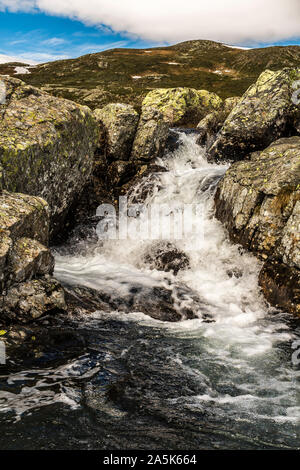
30,300
47,146
182,106
151,136
212,123
280,284
120,124
173,303
164,256
258,202
174,140
265,113
144,184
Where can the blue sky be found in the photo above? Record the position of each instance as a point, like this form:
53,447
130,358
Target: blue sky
42,38
44,30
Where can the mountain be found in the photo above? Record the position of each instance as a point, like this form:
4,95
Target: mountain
127,75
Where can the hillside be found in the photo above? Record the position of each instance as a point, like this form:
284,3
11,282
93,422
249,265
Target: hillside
127,75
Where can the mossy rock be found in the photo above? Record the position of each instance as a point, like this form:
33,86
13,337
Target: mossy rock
258,201
119,122
47,146
265,113
182,106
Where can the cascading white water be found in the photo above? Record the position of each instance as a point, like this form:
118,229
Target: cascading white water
247,386
241,341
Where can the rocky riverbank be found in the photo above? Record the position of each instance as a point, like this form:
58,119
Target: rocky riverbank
60,160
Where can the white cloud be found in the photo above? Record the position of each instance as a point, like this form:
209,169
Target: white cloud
230,21
53,42
4,59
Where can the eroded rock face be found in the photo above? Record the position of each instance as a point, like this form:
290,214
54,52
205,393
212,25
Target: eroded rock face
211,124
120,123
182,106
151,136
47,146
265,113
258,200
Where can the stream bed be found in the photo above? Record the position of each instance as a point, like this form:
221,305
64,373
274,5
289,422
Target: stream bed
223,379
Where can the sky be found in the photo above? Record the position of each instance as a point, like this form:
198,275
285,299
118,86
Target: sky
46,30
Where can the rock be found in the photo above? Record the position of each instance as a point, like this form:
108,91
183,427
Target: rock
166,304
29,258
24,228
182,106
151,136
24,216
211,124
120,172
265,113
47,146
258,201
120,123
26,289
165,256
30,300
280,284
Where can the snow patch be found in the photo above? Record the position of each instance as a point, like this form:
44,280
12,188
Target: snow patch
21,70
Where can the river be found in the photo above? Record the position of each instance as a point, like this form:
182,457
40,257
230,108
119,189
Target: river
130,381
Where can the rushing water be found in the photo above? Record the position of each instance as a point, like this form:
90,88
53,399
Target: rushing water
116,380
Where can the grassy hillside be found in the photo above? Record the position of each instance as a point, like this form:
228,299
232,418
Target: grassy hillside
127,75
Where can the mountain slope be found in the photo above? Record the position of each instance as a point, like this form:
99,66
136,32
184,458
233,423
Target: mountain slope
127,75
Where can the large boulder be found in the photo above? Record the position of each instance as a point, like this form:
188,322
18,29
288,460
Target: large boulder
265,113
212,123
120,123
47,146
258,200
151,136
182,106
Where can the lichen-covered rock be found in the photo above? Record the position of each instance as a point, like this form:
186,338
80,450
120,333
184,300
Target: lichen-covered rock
211,124
258,201
182,106
265,113
47,146
26,290
151,136
120,123
28,259
22,215
30,300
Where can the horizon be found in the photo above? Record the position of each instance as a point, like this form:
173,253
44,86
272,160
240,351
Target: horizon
41,35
